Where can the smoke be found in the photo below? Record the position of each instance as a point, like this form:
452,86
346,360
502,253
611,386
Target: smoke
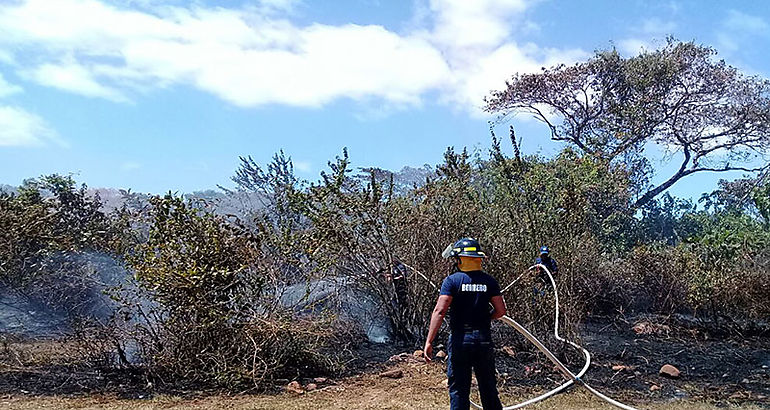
59,289
342,297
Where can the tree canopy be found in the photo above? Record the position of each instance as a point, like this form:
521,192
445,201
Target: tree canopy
679,97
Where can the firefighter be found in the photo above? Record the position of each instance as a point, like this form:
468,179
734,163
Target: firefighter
466,294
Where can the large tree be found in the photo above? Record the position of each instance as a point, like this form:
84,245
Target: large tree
695,108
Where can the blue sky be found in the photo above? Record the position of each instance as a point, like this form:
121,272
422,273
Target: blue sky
165,95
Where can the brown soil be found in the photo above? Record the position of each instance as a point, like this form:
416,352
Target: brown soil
715,372
421,387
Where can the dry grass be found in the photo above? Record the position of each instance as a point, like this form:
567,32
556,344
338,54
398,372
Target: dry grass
422,387
372,399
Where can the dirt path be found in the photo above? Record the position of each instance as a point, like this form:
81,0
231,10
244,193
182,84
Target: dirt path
421,387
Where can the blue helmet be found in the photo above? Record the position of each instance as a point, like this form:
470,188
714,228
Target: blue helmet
544,250
465,247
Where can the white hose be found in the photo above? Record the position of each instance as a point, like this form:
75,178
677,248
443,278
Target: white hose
572,378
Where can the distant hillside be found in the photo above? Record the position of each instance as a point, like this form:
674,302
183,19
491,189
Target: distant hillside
240,203
8,189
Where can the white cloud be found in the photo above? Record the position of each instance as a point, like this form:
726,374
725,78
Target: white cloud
475,39
634,46
130,166
21,128
738,29
656,26
252,56
463,24
7,89
278,5
649,35
6,57
739,21
76,78
302,166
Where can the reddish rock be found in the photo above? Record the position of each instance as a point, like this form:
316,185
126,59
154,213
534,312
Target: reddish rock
654,387
393,374
649,328
320,380
311,387
669,370
417,353
620,367
295,387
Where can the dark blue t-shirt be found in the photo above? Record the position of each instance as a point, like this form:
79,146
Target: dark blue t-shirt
549,263
471,293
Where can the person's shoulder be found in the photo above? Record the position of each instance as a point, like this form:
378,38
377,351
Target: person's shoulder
459,275
488,276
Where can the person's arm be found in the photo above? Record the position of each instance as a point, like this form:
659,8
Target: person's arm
442,305
499,304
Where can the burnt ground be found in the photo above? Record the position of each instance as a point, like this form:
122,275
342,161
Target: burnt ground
721,367
716,367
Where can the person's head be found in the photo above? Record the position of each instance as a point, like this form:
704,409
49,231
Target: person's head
468,263
545,252
467,254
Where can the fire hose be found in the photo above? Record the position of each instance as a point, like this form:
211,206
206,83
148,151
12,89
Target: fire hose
571,377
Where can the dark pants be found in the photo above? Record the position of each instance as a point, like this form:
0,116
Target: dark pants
466,354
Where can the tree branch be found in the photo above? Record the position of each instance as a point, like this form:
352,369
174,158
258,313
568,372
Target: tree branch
652,193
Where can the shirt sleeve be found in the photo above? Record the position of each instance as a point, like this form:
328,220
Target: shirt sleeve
494,288
449,287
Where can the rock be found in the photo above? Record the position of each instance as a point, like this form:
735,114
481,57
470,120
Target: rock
649,328
311,387
620,367
764,366
418,353
399,357
654,387
320,380
393,374
441,355
446,383
509,351
295,387
745,381
669,370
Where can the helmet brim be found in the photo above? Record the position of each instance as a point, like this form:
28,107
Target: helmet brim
472,254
